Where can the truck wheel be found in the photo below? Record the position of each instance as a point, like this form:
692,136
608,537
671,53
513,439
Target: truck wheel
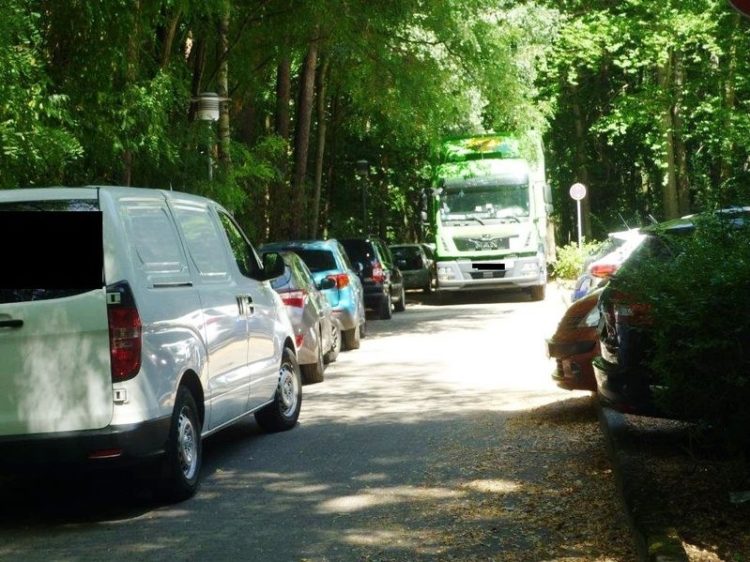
537,292
182,465
282,413
350,338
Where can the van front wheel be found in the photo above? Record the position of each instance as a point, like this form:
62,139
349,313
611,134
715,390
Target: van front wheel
182,465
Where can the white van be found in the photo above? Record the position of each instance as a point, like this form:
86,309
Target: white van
133,323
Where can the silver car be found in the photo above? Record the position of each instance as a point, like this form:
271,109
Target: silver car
317,333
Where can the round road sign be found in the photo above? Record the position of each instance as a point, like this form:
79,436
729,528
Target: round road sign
577,191
742,6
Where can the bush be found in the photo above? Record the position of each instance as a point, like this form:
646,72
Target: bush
570,259
700,306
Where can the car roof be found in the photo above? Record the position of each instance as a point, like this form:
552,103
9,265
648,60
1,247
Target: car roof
321,244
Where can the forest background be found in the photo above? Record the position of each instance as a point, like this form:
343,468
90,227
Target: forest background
646,102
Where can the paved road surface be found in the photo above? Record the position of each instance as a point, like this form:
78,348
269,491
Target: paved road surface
386,463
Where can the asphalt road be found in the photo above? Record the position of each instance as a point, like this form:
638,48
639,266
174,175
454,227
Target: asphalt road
382,463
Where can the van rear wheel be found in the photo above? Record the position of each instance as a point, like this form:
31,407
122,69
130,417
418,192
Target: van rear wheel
282,413
182,465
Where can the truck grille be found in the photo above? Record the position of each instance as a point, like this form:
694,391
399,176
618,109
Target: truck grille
480,243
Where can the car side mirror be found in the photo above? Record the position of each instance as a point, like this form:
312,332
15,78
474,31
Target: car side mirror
326,283
359,266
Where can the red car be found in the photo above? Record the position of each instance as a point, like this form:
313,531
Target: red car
575,344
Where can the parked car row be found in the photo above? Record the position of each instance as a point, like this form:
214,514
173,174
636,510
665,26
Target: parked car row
604,342
148,321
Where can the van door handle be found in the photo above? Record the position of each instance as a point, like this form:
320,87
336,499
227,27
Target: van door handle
11,323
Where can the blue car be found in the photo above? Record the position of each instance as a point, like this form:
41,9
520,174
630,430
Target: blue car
327,259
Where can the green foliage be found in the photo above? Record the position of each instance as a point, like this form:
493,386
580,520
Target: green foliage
698,296
570,259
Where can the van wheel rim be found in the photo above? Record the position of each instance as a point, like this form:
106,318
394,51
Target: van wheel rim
187,445
289,389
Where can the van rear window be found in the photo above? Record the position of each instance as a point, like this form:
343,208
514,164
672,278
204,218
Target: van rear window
50,249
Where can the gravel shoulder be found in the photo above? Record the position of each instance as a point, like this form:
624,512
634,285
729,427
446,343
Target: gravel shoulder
679,494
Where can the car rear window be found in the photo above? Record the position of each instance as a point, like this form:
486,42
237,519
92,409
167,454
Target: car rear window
51,249
358,250
317,260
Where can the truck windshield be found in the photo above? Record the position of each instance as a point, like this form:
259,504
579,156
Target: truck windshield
495,201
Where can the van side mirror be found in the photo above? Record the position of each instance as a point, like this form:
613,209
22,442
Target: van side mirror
273,265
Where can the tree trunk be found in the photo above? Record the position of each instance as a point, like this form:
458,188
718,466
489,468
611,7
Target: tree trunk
131,73
670,196
330,172
223,88
730,101
681,159
198,54
302,139
319,156
170,33
279,190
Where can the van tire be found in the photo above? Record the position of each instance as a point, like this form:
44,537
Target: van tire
180,474
314,372
351,338
282,413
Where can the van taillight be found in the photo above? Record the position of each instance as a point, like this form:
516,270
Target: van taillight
341,279
125,332
377,272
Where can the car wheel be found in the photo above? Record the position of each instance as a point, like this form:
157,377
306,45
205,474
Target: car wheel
282,413
182,464
333,353
314,372
351,338
400,305
431,284
385,310
537,292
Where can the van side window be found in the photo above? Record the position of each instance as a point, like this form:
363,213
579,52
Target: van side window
155,240
244,255
203,241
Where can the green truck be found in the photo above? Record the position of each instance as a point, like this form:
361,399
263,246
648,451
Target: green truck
489,214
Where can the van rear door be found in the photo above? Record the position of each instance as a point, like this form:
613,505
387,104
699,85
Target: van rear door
54,340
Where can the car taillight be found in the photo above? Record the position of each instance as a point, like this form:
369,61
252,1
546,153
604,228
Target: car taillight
625,311
378,275
604,270
341,279
125,332
294,298
298,339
